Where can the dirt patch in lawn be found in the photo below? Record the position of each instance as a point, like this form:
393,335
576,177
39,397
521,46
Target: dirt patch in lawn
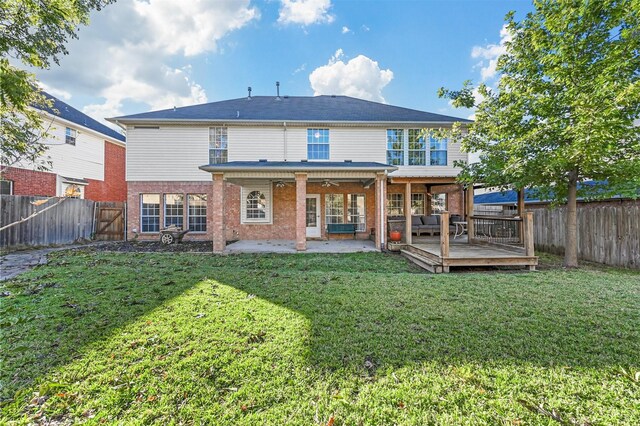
155,247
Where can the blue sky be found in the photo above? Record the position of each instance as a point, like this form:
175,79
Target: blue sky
137,55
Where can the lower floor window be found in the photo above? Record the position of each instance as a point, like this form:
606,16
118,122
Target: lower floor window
395,204
357,211
150,212
417,204
6,187
438,203
197,212
173,210
255,204
334,208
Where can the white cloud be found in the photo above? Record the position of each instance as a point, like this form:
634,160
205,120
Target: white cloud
300,69
346,30
365,28
360,77
58,93
490,53
135,51
305,12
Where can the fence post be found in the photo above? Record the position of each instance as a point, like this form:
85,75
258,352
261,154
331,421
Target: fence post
527,217
444,234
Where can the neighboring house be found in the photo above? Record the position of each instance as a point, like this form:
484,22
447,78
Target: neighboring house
87,160
270,167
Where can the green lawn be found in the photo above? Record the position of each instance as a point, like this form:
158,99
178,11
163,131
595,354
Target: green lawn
315,339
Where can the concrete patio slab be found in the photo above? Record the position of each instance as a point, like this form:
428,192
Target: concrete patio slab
289,246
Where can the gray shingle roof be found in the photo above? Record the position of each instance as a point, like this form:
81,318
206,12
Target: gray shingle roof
69,113
294,108
297,165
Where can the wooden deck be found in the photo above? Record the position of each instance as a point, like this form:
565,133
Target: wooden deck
427,255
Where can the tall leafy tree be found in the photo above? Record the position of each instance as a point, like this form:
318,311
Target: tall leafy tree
564,108
33,33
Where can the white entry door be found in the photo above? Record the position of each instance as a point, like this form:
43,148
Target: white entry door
313,216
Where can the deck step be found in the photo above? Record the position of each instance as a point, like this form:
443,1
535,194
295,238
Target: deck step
423,262
423,253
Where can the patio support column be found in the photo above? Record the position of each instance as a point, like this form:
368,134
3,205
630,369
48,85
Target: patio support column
470,225
217,213
301,211
407,213
381,215
521,213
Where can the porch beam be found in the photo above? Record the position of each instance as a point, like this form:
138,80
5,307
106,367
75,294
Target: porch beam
469,213
424,180
444,234
217,213
521,213
301,210
407,213
381,212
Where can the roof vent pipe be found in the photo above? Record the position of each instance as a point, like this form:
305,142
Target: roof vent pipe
277,90
249,89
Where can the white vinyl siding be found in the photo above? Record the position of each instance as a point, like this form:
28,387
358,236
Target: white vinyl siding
171,153
255,143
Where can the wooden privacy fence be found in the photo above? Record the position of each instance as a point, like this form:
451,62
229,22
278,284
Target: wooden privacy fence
608,232
71,220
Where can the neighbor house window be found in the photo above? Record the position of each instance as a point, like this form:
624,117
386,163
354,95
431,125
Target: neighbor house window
395,147
217,145
197,212
334,208
417,148
438,203
356,211
6,187
417,204
70,136
395,204
173,210
256,204
149,212
438,148
317,144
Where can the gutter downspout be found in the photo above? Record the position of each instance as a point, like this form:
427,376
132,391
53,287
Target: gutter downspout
284,132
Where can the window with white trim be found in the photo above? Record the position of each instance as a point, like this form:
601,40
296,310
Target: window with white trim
334,208
173,210
438,203
395,147
395,204
317,144
256,204
70,136
218,144
197,212
149,212
438,151
417,204
417,148
357,211
6,187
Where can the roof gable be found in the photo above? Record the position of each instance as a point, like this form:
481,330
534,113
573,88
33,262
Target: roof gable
294,108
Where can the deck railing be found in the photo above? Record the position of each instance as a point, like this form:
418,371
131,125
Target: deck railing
496,229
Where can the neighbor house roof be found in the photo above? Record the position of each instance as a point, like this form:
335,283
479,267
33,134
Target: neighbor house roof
67,112
290,166
292,108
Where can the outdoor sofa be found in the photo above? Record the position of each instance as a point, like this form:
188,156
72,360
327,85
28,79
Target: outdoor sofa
430,224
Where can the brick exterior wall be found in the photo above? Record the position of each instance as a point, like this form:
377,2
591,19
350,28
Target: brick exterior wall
114,186
30,182
283,226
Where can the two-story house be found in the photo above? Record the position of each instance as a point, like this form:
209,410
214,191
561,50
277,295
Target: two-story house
87,160
271,167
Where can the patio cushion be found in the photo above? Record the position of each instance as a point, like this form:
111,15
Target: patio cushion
431,220
416,221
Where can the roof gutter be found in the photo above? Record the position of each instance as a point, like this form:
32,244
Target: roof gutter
233,121
213,168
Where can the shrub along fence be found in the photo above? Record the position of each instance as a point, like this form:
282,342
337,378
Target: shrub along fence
608,232
71,220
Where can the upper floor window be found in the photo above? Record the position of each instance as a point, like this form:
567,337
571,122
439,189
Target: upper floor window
438,148
317,144
417,148
395,147
217,145
70,136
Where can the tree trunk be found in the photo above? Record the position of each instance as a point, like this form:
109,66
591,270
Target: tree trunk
571,230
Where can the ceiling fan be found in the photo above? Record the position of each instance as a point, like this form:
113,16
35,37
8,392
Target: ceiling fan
282,184
327,183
